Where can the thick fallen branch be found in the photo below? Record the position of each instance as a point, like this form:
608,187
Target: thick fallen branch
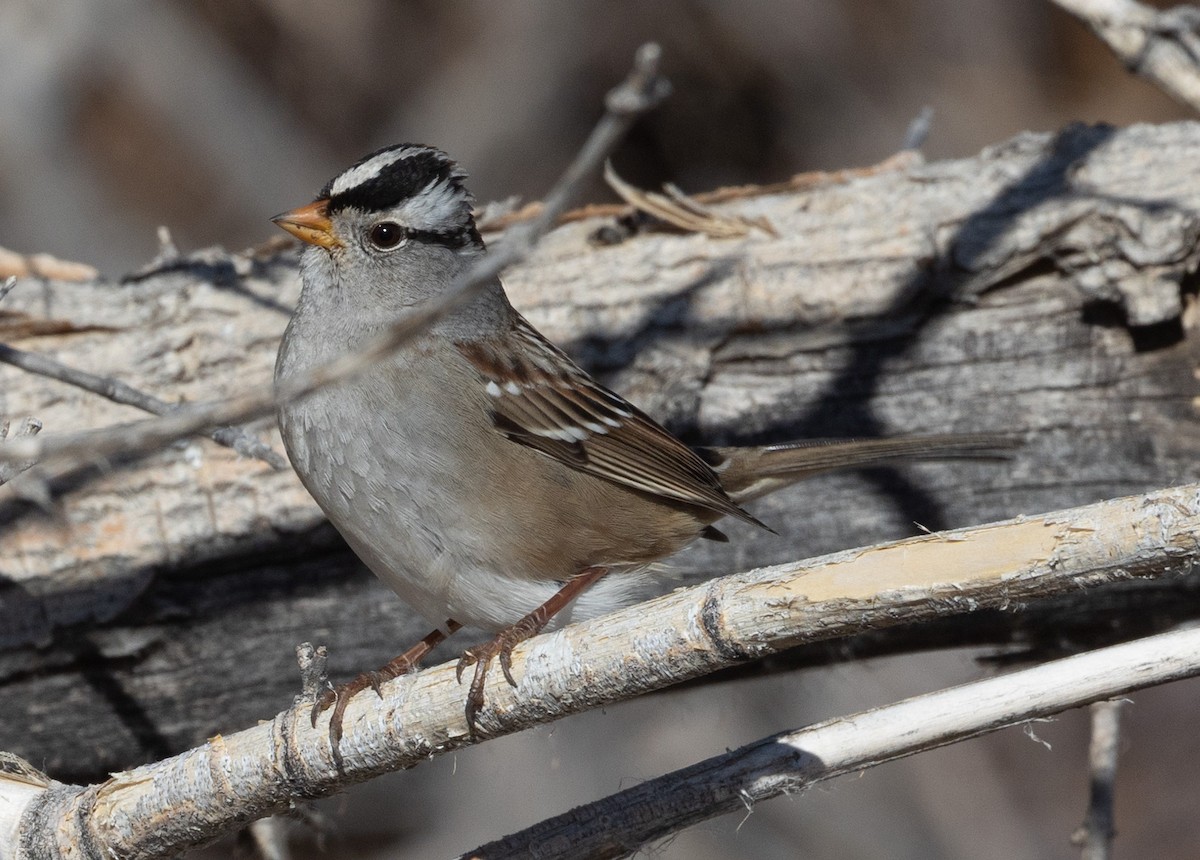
791,762
1161,45
162,808
191,576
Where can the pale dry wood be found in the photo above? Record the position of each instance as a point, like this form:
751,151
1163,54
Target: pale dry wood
159,809
161,604
28,427
677,209
1161,45
791,762
16,265
268,836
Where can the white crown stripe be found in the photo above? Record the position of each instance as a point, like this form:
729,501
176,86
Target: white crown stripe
369,169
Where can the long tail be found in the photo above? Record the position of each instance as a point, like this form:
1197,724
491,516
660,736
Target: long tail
748,473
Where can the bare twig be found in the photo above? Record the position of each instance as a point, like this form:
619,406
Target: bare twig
679,210
640,91
161,808
119,392
791,762
1161,45
20,783
1095,835
313,676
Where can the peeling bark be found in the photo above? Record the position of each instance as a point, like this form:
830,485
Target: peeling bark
1043,287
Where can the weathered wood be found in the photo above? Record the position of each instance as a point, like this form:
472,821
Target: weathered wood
159,604
162,808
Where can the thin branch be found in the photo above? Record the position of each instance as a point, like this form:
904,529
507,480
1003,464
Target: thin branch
162,808
639,92
902,160
1161,45
791,762
1095,835
119,392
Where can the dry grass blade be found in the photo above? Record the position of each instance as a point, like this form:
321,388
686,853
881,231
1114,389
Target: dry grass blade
679,210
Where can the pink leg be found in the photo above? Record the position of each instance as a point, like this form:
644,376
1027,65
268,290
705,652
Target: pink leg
341,695
510,637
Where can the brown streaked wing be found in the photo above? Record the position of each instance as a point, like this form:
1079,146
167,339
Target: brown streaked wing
541,399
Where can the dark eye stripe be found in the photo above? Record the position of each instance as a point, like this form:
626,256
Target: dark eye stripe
450,239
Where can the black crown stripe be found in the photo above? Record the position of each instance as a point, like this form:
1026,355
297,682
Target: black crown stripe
398,181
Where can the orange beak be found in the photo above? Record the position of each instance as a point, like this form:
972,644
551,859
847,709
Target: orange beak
310,224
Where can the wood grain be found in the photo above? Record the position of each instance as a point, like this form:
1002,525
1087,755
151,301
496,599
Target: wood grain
1044,287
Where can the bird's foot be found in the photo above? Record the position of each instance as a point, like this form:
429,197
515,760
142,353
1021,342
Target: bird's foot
481,656
339,697
509,638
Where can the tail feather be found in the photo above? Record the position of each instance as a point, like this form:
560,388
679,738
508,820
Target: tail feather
748,473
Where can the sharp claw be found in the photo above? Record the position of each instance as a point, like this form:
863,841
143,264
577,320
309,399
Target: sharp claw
471,711
468,658
506,664
475,698
327,698
335,724
339,697
338,762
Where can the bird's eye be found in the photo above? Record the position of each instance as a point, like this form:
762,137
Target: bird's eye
386,235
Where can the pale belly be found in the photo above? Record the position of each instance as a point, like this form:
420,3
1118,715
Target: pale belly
451,532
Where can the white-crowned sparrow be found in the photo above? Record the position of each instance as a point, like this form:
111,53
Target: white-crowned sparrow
478,471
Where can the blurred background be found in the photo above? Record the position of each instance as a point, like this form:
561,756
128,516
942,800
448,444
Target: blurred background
209,117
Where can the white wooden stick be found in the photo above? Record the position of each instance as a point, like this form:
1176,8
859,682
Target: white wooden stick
789,762
162,808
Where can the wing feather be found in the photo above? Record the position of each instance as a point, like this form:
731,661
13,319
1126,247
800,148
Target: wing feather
541,399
